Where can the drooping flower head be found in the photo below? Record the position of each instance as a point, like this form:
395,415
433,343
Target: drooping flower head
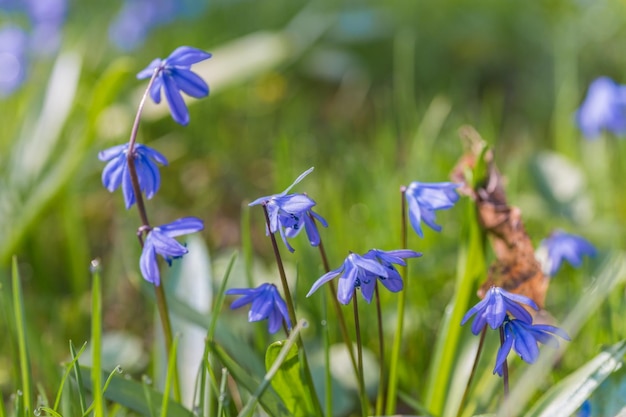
524,337
160,240
173,76
492,309
563,246
266,304
116,172
356,272
393,281
290,213
604,108
424,199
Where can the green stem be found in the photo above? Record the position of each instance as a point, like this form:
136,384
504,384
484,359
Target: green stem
380,398
359,349
474,367
505,367
96,340
20,328
392,388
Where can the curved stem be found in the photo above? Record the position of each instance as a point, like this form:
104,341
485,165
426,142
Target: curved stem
380,398
392,388
474,367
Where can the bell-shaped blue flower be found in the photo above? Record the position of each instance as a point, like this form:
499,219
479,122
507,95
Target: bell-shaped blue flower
290,213
356,272
173,76
524,337
160,240
424,199
116,172
604,108
266,303
393,281
492,309
559,246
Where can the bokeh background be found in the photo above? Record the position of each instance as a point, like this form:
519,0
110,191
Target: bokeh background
371,94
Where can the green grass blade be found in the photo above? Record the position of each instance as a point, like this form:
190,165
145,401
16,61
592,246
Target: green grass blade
96,339
219,301
171,375
20,327
47,410
222,403
73,365
79,381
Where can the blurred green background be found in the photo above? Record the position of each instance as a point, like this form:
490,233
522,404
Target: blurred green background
371,94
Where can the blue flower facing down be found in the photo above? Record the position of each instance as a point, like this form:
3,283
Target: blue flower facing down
160,240
492,309
175,75
424,199
290,213
524,337
266,304
116,172
559,246
356,272
604,108
393,280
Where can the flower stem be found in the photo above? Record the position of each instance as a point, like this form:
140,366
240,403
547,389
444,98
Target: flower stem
359,349
292,317
481,342
392,388
380,398
340,317
505,367
145,229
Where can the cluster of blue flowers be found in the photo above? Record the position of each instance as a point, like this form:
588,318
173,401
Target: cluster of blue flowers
503,309
40,37
170,76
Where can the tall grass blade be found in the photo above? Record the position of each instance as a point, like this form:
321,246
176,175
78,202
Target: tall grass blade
20,328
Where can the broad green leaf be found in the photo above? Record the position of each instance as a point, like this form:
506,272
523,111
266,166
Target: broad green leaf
131,395
568,395
288,381
270,401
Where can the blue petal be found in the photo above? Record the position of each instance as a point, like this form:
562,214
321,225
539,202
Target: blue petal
155,89
319,218
111,153
186,56
300,178
127,188
177,105
274,321
503,352
325,278
113,172
311,231
345,287
149,70
294,203
152,154
190,83
148,264
165,245
182,226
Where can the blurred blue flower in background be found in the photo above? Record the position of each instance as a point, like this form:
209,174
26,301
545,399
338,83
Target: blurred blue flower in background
604,108
424,198
47,18
524,337
116,172
175,75
13,62
266,304
288,213
492,309
160,240
393,280
559,246
137,18
356,271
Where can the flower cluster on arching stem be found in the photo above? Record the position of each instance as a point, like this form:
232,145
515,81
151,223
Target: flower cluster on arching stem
503,309
363,271
424,198
171,75
290,213
265,303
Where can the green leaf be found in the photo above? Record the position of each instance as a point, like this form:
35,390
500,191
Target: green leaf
131,395
568,395
271,402
288,381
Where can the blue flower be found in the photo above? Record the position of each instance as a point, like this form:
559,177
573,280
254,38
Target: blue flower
290,213
492,309
173,76
561,245
425,198
116,172
356,272
393,280
523,337
604,108
160,240
266,304
13,62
